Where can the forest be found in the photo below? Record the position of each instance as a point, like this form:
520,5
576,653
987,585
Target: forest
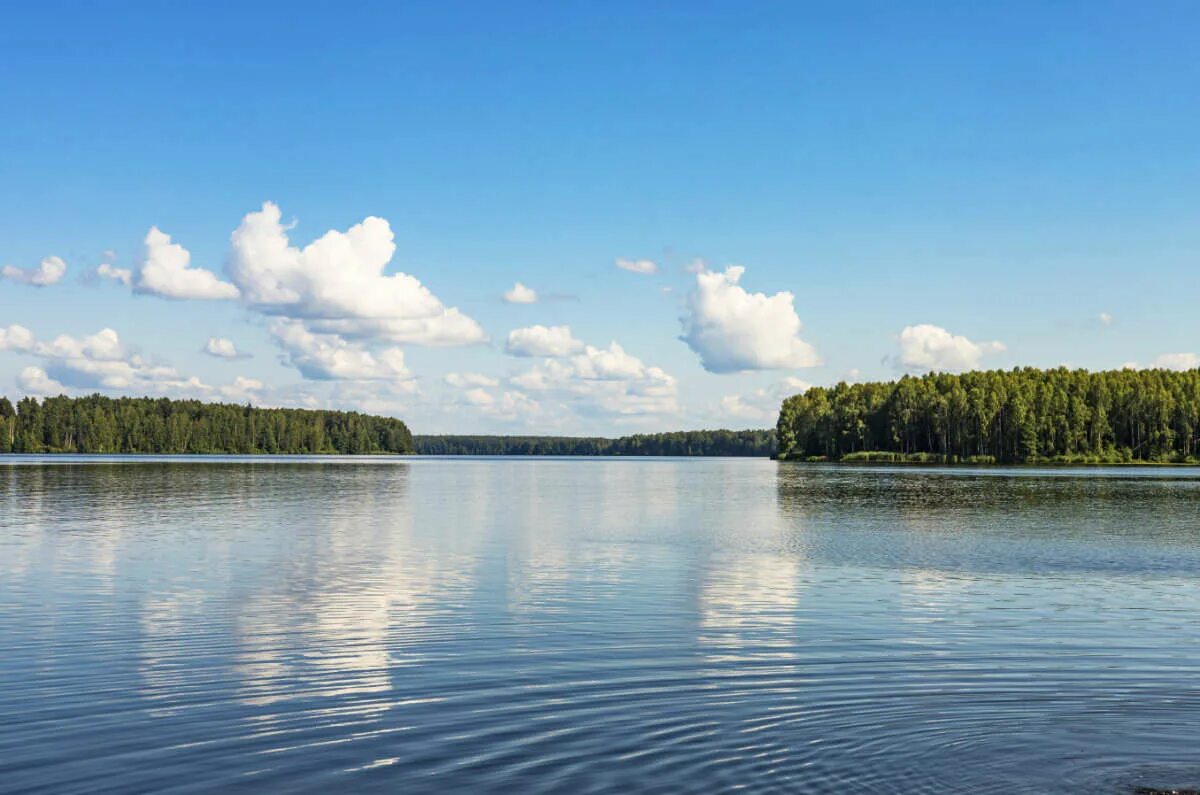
1024,415
678,443
98,424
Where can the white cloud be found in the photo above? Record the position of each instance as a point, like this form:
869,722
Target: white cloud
734,330
337,285
242,390
35,381
927,347
735,406
478,397
103,346
542,341
165,270
1105,319
95,361
603,381
107,270
1177,361
514,405
103,361
520,294
465,380
49,271
16,338
643,266
763,404
325,357
223,348
794,386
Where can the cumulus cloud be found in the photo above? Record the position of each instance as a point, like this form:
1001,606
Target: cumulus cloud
736,406
337,284
520,294
1176,361
49,271
16,338
465,380
106,270
763,404
927,347
324,357
96,361
542,341
735,330
223,348
642,266
242,390
165,270
104,345
603,381
103,361
478,397
35,381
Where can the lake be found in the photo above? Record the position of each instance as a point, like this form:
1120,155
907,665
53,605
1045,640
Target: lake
595,625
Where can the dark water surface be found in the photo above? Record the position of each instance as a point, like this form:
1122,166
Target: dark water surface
686,625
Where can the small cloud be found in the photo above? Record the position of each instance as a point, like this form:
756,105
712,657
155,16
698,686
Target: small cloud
794,386
734,330
735,406
642,266
520,294
465,380
1176,361
35,381
926,347
223,348
107,270
478,397
1105,319
166,271
696,266
763,404
552,341
242,389
49,271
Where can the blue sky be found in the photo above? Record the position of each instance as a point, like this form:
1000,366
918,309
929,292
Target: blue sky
936,185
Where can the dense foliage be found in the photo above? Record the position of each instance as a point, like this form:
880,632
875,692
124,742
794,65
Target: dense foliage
98,424
682,443
1017,416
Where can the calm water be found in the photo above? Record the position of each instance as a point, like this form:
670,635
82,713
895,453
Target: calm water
596,625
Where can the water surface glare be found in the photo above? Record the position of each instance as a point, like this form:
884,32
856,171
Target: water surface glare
595,625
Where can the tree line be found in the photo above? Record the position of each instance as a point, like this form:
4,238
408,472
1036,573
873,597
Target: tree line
678,443
1022,415
98,424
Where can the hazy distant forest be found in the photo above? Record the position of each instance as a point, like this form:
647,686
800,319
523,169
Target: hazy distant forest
97,424
1019,416
684,443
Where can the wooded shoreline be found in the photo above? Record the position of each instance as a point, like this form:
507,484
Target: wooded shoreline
1017,416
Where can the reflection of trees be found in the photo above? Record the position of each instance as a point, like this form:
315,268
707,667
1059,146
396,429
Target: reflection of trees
1063,503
